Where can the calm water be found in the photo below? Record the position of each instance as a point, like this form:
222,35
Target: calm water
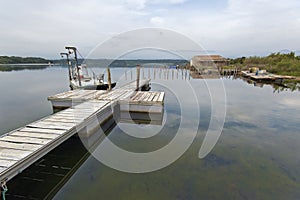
256,157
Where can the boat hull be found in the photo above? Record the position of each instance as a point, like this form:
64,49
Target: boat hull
93,87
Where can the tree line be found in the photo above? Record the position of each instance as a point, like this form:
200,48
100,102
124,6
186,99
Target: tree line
277,63
21,60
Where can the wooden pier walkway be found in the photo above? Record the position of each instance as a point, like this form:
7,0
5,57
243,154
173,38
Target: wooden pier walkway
24,146
74,97
266,77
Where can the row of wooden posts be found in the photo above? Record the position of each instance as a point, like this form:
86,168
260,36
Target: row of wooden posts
163,73
158,73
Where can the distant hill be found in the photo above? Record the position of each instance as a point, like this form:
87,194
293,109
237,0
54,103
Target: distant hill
125,63
22,60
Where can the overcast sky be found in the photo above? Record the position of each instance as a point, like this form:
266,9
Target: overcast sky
231,28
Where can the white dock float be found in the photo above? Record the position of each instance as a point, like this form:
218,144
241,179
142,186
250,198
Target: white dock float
75,97
24,146
143,102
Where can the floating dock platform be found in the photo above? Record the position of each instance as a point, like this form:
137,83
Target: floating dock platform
85,110
266,77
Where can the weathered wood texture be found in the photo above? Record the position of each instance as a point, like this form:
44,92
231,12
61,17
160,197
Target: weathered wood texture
75,97
19,146
22,147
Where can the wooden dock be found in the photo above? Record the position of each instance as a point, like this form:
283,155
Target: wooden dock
75,97
266,77
24,146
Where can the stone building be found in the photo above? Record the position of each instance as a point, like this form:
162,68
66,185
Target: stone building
208,62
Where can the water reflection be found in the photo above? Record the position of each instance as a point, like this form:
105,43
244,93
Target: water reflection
9,68
169,74
256,156
47,176
24,95
285,86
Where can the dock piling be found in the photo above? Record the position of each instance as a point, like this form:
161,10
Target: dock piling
138,70
108,78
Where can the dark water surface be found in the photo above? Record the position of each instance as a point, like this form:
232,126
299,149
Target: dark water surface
256,157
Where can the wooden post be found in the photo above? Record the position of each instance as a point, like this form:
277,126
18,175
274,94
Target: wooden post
125,75
160,73
138,69
166,74
154,73
108,78
172,74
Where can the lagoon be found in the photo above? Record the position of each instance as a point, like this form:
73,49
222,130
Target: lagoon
256,156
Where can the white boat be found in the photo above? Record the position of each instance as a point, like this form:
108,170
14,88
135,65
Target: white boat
79,76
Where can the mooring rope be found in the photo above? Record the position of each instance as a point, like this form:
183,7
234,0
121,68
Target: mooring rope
4,189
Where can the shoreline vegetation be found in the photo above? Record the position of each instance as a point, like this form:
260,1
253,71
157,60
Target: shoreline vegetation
276,63
22,60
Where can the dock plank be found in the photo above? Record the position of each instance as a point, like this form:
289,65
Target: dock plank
147,95
87,109
91,104
38,130
60,125
64,120
26,140
99,93
136,96
19,146
152,95
66,117
77,112
80,94
34,135
64,94
13,154
86,93
156,96
161,97
127,95
93,95
51,126
6,163
2,169
72,116
141,97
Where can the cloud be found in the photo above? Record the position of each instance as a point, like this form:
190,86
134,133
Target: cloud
168,1
291,102
142,4
138,4
232,28
157,21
